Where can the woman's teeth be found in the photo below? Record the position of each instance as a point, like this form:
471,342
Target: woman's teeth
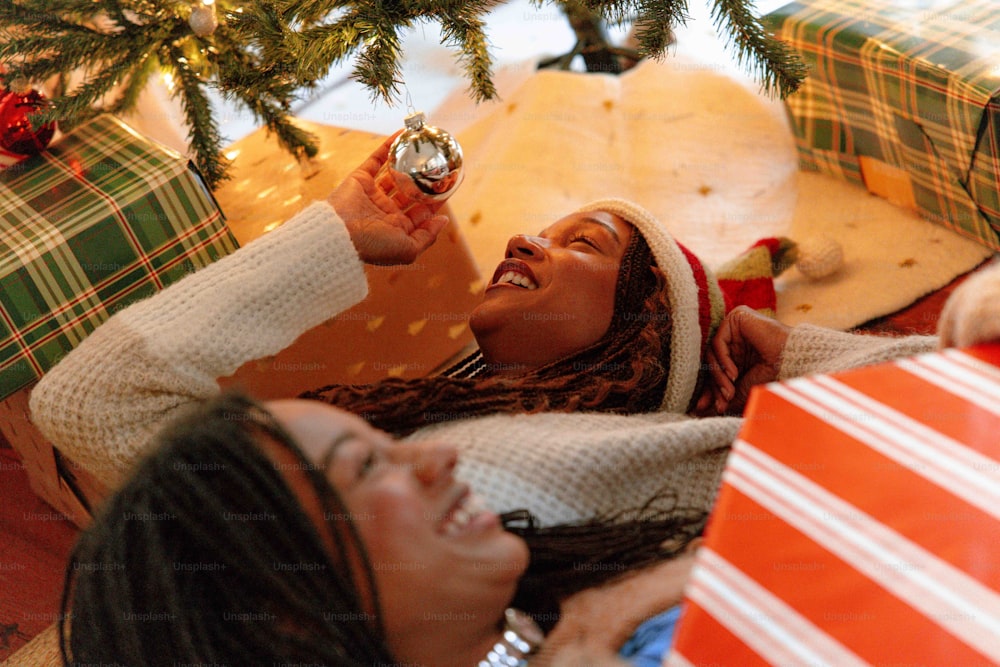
469,508
518,279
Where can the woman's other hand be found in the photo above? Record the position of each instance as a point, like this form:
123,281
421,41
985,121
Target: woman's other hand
596,622
745,352
382,233
971,314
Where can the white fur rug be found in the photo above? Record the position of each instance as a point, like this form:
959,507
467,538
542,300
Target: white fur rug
698,146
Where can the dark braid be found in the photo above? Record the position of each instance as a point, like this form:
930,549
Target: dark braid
624,372
569,558
205,556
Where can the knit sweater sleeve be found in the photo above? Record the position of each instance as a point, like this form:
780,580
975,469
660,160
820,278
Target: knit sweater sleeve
104,400
813,350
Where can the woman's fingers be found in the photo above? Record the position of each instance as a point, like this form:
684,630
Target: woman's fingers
703,407
426,232
378,157
720,385
722,349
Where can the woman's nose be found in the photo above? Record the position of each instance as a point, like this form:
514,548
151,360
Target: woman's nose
522,245
430,461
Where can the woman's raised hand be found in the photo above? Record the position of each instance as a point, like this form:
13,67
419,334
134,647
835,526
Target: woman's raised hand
380,230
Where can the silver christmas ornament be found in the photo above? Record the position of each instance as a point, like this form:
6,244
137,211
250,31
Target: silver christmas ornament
203,20
429,157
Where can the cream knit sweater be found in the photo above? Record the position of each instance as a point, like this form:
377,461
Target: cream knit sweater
102,403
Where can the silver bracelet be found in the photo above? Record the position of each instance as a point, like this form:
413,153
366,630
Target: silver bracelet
521,638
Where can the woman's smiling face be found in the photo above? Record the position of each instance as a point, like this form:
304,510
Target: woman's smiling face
554,294
436,552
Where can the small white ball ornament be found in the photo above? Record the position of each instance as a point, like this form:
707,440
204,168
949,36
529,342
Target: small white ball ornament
203,20
819,257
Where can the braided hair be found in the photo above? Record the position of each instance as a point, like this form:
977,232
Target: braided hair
206,556
623,372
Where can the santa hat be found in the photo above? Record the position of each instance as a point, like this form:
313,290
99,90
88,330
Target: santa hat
698,298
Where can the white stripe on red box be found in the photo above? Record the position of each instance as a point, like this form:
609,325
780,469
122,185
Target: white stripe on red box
858,523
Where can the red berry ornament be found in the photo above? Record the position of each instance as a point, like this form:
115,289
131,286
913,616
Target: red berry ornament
17,134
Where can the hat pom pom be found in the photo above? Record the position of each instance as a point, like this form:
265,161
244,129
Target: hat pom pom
819,257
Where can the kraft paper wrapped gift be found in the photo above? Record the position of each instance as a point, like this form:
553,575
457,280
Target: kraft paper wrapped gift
101,219
415,318
903,96
858,523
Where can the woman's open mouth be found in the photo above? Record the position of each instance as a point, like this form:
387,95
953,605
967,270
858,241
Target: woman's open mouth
514,273
469,513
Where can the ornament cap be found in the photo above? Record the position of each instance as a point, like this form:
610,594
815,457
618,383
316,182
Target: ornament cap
415,120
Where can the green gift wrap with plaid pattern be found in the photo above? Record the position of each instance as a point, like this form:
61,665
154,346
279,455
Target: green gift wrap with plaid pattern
101,219
914,84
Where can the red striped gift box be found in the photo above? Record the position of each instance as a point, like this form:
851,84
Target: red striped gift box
858,523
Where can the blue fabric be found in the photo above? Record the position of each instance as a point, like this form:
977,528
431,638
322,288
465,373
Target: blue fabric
652,640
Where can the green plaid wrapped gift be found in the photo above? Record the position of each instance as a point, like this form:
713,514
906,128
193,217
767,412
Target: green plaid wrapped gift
102,218
912,85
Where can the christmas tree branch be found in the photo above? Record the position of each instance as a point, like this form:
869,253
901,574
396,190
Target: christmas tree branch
329,44
129,94
467,34
263,53
292,138
655,25
203,132
772,62
378,63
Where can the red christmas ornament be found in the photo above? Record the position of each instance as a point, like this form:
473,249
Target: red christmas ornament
17,134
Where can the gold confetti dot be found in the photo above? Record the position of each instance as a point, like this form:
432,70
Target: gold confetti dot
608,105
435,281
456,330
907,263
803,307
475,218
374,324
416,327
704,190
355,369
511,107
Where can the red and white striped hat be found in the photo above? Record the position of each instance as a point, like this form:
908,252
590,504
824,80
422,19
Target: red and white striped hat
696,301
700,297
